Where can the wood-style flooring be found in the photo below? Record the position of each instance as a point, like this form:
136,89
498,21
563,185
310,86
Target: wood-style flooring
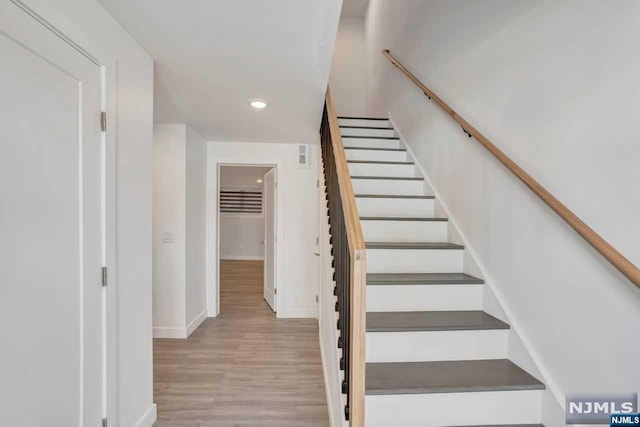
243,368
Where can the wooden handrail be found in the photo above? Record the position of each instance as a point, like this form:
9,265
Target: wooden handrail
358,275
354,230
599,244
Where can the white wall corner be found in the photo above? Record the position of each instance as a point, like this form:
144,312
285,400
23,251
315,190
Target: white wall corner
193,325
149,418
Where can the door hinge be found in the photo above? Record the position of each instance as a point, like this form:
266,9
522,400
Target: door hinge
317,241
103,121
275,291
317,183
317,298
104,422
104,276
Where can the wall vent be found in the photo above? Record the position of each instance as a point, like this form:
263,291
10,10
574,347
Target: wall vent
302,160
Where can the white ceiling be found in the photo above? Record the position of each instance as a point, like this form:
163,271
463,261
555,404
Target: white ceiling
211,57
355,8
242,176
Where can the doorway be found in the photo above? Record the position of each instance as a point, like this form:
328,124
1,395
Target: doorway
233,348
247,239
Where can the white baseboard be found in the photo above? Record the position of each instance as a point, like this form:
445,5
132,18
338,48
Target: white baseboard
169,332
193,325
179,332
149,417
242,257
296,313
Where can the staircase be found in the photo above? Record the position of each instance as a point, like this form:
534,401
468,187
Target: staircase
433,356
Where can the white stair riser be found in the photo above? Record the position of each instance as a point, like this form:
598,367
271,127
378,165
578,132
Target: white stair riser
414,260
364,122
381,169
366,132
377,155
428,346
424,297
398,208
404,187
404,231
370,143
454,409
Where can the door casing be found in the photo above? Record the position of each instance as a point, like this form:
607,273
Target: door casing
47,15
213,221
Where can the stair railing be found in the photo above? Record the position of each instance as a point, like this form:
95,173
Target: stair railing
599,244
348,251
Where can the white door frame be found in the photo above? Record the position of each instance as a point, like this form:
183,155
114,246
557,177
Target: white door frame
266,238
213,228
47,15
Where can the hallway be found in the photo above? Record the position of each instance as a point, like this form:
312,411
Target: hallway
243,368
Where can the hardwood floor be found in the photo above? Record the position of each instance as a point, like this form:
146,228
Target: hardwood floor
243,368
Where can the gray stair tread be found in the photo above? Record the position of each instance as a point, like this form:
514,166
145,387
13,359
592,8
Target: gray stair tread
412,245
363,118
369,137
393,196
380,162
447,377
405,321
422,279
390,178
365,127
375,148
392,218
372,137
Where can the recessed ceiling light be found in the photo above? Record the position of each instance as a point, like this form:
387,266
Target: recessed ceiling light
259,181
259,104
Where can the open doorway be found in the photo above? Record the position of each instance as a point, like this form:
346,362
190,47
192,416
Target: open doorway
247,240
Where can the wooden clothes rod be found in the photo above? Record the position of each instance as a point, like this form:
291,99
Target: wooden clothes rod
602,246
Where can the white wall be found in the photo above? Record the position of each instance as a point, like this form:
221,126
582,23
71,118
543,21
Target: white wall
196,229
169,216
242,176
348,69
297,267
179,208
240,236
554,84
86,22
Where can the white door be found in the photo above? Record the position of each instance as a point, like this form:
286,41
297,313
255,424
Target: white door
51,238
270,238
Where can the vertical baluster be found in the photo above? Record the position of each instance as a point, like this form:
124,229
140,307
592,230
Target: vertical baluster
340,251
